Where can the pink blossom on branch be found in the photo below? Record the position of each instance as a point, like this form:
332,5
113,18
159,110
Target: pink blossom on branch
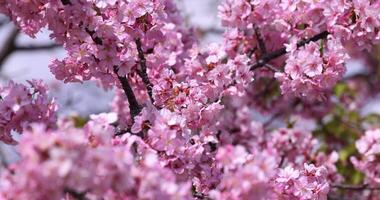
21,105
186,121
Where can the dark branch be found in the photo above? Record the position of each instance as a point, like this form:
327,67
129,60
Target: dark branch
66,2
75,194
143,73
261,41
200,196
94,38
3,159
9,46
354,187
275,54
134,106
37,47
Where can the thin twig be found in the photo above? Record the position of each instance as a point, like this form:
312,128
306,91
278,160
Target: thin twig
278,53
36,47
282,161
354,187
143,72
260,41
3,158
201,196
272,119
271,67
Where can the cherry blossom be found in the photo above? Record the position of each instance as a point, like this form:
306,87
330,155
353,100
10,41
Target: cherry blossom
223,120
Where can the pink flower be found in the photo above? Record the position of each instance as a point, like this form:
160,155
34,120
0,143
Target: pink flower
22,106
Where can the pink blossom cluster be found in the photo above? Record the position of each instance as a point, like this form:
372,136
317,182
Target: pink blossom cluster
21,105
368,162
189,156
186,120
105,36
258,175
357,24
309,182
245,175
66,163
313,69
354,21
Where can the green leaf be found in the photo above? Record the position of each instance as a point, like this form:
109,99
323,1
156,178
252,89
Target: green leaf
340,89
346,152
372,119
79,122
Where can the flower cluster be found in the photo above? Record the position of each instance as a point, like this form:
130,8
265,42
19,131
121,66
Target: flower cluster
188,122
256,27
368,147
307,183
257,174
245,175
295,145
313,69
21,105
64,163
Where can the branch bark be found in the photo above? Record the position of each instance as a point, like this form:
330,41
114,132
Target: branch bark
9,46
36,47
354,187
280,52
134,106
143,73
75,194
260,41
65,2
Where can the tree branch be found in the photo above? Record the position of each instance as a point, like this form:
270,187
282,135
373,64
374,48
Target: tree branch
278,53
143,73
261,41
75,194
9,46
134,106
354,187
66,2
37,47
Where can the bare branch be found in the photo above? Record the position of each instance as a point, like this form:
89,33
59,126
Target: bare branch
134,106
278,53
3,158
65,2
9,45
75,194
37,47
261,41
272,119
143,73
354,187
